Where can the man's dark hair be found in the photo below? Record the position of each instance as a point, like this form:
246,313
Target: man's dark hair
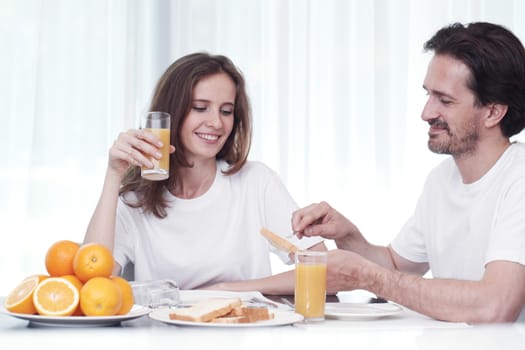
496,60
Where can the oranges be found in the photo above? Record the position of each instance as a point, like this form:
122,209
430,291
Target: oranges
56,296
79,283
93,260
127,295
100,296
59,258
20,300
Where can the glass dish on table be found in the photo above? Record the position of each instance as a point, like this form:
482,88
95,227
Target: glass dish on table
156,293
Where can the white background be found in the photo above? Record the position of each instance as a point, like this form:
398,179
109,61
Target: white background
335,88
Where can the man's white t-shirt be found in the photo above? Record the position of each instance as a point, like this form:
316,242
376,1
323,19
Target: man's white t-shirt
213,238
458,228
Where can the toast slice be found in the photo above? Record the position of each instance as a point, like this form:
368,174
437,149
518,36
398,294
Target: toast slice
231,319
253,313
206,310
279,242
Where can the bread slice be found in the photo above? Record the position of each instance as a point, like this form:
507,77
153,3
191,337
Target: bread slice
279,242
206,310
231,319
253,314
245,314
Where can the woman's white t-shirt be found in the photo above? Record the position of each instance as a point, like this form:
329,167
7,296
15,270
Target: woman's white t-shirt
213,238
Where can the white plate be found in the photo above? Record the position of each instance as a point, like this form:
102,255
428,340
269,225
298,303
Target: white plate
192,296
356,311
281,318
80,321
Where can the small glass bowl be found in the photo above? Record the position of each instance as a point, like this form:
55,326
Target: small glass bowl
156,293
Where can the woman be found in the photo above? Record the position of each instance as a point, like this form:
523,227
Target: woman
201,226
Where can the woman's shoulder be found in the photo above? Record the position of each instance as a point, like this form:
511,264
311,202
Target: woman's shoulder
251,166
128,197
253,170
257,168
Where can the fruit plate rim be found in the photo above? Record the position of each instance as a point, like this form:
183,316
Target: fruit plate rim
79,321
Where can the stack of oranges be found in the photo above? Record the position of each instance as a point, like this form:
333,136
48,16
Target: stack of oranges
79,283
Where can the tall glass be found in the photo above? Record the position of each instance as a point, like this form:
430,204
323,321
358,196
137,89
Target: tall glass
310,284
158,123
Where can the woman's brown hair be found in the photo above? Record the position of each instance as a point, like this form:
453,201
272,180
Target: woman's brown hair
173,94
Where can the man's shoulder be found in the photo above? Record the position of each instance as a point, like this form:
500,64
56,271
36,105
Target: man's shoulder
514,162
518,151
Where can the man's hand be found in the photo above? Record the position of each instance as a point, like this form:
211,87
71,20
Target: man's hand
321,219
343,271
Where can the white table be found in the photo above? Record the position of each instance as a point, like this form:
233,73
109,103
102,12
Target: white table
409,330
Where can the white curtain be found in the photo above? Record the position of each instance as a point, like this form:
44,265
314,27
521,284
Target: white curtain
335,87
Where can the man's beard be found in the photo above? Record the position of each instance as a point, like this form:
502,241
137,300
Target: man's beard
455,145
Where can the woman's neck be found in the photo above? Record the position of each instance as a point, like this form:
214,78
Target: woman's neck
194,182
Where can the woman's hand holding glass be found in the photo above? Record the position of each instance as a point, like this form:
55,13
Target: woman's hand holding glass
134,147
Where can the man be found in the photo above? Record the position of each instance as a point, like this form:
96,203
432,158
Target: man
468,227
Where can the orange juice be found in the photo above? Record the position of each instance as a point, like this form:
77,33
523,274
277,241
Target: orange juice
310,289
161,168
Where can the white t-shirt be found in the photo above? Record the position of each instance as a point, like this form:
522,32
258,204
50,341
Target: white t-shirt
212,238
458,228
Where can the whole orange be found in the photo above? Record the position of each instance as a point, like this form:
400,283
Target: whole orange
93,260
127,294
59,258
100,296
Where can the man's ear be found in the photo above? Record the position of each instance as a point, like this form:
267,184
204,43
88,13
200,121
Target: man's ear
496,113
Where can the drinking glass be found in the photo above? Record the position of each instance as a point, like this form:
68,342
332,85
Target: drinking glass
158,123
310,284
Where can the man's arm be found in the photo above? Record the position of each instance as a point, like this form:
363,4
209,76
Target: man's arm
498,297
320,219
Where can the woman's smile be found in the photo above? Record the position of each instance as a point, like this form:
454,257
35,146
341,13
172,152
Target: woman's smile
208,137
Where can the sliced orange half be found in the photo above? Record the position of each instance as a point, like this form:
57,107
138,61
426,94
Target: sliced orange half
76,282
20,300
56,296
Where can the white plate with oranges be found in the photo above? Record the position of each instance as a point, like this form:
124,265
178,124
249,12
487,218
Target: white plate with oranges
79,290
80,321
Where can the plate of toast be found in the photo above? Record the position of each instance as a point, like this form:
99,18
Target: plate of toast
222,311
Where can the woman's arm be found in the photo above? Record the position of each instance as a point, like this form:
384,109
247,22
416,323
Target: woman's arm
128,150
279,284
101,227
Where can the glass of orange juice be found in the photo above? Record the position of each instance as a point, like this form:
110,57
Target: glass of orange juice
158,123
310,284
